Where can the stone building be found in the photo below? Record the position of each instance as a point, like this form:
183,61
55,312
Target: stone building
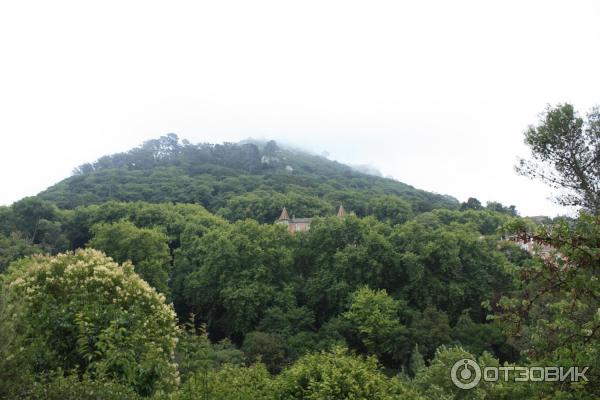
301,224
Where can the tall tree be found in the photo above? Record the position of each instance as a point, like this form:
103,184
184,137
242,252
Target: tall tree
565,151
555,319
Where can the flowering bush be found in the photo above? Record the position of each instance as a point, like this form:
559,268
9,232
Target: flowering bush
81,310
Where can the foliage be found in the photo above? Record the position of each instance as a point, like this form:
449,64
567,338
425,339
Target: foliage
244,277
474,204
195,352
268,348
13,247
172,219
471,204
391,209
287,321
229,383
236,273
487,222
374,319
337,256
416,363
338,375
231,179
430,329
71,387
565,150
265,206
450,267
498,207
402,274
83,311
39,223
478,338
435,381
554,316
146,248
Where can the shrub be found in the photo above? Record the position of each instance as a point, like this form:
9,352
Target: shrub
338,375
229,383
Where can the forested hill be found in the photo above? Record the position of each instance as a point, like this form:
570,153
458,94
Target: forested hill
245,180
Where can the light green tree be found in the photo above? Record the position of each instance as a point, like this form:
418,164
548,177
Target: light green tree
374,318
339,375
231,382
82,311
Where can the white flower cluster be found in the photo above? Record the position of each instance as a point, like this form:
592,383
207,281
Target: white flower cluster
87,284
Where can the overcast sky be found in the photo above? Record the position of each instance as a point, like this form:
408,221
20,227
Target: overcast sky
434,93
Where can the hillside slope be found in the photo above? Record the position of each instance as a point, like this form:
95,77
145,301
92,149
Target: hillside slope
249,180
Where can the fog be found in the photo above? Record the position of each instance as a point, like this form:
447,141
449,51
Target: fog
435,94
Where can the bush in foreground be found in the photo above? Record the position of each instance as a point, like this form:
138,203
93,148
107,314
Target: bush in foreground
81,311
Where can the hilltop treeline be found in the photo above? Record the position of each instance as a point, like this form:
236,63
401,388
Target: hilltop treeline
234,180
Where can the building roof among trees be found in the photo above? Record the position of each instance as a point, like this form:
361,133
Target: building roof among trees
284,215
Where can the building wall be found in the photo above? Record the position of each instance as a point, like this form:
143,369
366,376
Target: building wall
293,224
299,226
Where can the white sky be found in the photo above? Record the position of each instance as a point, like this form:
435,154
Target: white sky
434,93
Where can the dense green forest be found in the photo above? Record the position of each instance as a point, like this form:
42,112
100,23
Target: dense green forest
249,180
160,273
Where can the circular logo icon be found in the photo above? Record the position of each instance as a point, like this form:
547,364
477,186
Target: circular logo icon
465,374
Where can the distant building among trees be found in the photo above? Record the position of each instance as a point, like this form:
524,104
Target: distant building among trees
530,245
301,224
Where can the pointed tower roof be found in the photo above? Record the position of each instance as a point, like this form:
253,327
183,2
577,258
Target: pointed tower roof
341,211
284,215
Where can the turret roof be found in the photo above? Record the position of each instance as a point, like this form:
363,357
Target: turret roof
284,215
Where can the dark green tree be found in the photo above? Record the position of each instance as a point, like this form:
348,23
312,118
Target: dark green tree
471,204
430,329
233,274
13,247
146,248
565,154
391,209
268,348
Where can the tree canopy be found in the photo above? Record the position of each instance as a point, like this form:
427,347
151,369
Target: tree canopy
238,180
565,153
82,311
